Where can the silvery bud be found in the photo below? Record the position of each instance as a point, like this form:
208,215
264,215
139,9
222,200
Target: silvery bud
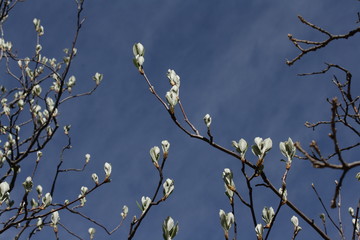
145,203
4,189
95,178
207,120
241,147
47,199
92,233
170,229
259,229
124,212
260,148
87,158
36,90
107,169
155,155
39,189
351,211
288,149
284,195
226,220
98,78
55,218
173,78
268,215
28,184
39,223
165,145
168,187
295,221
172,98
83,190
138,49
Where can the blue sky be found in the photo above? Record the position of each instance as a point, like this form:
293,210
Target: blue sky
230,56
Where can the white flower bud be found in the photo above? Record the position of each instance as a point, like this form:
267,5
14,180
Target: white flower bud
38,48
155,155
241,147
168,187
39,223
138,49
39,189
145,203
36,90
169,228
261,147
87,158
124,212
4,188
295,221
230,187
165,146
83,190
351,211
173,78
284,195
47,199
259,229
71,82
226,220
207,120
98,78
268,215
95,178
172,98
55,218
28,184
107,169
288,149
139,61
92,233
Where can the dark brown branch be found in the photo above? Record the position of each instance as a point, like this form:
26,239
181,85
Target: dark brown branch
315,45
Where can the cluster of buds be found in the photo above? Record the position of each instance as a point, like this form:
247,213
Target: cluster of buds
82,195
5,46
155,153
172,96
125,211
38,28
227,177
138,51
